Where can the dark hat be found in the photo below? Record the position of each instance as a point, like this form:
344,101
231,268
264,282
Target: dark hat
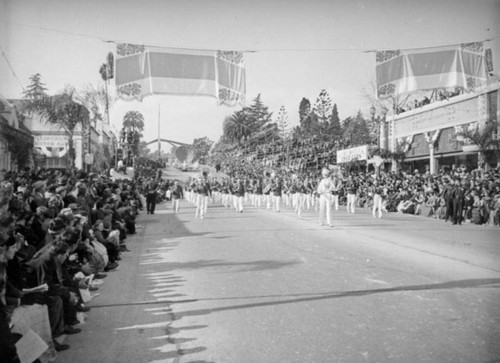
38,185
97,223
57,225
10,241
66,213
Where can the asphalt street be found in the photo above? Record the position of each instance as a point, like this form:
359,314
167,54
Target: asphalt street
261,286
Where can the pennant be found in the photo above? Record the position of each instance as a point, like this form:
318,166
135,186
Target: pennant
404,71
146,70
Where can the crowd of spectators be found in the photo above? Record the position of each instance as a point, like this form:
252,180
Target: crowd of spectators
60,234
440,95
301,156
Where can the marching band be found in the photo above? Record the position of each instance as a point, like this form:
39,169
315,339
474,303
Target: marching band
273,193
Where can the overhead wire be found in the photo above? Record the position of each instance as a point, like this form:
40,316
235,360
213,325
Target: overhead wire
256,50
12,68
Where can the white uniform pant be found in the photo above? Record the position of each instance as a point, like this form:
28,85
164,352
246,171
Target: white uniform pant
325,206
201,205
238,203
176,204
269,200
225,200
299,203
377,206
351,200
258,200
335,201
277,203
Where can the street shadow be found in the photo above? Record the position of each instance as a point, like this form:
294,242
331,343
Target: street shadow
221,237
459,284
258,265
174,227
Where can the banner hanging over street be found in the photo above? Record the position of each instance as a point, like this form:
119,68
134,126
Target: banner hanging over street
405,71
146,70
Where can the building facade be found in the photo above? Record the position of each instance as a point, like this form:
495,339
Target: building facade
431,135
16,141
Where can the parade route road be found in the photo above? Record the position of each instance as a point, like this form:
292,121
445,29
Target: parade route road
261,286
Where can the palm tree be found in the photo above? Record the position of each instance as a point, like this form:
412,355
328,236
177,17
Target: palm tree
483,137
236,127
133,120
63,112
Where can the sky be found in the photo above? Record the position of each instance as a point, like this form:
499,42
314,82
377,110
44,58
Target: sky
295,48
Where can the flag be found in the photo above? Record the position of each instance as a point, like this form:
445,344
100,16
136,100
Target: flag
146,70
404,71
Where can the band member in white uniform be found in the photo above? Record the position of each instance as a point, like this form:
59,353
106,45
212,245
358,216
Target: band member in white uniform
266,190
258,193
238,195
276,191
325,193
377,200
177,195
202,194
351,189
336,187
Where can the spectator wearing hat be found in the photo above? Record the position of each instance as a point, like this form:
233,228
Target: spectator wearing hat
56,202
494,217
56,227
458,202
448,198
150,193
47,264
100,234
39,194
17,283
8,352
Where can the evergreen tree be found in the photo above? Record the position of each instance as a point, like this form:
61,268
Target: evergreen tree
283,124
335,128
311,125
361,132
257,114
323,107
36,89
304,109
348,130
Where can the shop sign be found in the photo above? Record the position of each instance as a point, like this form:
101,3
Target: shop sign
352,154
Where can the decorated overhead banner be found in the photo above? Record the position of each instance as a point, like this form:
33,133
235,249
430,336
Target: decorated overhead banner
405,71
146,70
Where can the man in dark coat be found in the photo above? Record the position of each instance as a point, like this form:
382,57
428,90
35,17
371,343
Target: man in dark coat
448,198
458,202
150,193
